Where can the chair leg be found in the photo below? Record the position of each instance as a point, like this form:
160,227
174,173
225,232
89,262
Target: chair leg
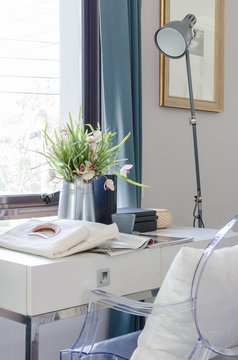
200,352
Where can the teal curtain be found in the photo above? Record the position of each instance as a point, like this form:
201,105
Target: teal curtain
120,26
122,323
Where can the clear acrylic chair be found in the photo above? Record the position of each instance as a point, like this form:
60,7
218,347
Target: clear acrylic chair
211,310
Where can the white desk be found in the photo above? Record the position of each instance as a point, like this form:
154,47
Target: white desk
36,290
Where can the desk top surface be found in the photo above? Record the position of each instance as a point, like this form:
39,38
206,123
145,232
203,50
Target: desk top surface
33,260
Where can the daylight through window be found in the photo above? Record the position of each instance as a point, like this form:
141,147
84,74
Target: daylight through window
29,91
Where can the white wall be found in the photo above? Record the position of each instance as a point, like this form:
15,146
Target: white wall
168,159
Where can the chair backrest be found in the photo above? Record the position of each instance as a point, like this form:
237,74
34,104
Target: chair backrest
215,293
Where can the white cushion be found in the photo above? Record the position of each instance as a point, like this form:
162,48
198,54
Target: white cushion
173,337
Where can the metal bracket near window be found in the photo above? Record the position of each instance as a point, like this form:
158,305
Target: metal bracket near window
47,197
25,206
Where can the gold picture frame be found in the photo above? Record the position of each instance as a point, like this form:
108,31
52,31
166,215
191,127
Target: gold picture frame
207,57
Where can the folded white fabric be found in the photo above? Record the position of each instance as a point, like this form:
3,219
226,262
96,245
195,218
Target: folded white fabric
58,238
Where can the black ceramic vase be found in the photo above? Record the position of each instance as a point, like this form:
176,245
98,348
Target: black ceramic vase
105,200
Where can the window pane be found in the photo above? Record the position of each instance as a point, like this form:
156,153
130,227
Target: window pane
29,91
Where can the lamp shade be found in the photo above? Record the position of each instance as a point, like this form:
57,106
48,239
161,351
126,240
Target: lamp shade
174,38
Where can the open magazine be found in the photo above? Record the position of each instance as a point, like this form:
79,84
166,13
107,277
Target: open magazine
130,242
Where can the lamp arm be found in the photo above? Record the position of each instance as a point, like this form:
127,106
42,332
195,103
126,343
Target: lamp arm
190,86
193,121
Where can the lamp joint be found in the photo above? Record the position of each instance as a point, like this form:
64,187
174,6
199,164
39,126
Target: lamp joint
193,121
198,199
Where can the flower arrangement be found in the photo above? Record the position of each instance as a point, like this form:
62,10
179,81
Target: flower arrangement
80,150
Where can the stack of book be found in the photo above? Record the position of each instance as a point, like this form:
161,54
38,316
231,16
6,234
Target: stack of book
146,219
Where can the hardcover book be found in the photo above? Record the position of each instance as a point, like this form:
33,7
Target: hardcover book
137,211
146,218
144,226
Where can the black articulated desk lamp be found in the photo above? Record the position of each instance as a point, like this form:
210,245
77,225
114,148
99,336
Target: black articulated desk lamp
173,40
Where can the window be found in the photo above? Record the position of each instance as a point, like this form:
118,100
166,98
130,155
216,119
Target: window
29,91
44,45
31,80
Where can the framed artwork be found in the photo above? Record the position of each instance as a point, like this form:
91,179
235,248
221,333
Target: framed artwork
206,56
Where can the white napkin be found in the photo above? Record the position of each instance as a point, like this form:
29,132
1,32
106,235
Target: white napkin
74,236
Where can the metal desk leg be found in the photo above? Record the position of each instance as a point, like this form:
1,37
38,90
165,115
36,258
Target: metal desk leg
32,338
33,326
33,322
